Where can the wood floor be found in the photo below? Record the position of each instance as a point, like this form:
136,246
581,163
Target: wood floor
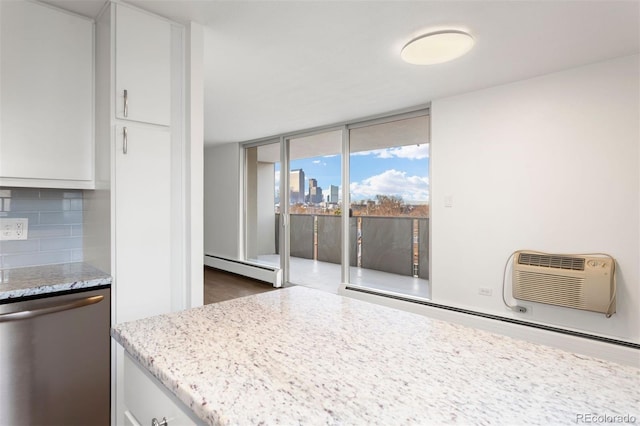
220,286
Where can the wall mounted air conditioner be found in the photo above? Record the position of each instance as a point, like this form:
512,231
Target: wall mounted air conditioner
579,282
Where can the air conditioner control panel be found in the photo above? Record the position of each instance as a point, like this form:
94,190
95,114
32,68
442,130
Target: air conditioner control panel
593,263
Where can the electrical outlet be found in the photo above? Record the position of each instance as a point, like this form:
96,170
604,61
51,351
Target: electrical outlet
14,228
483,291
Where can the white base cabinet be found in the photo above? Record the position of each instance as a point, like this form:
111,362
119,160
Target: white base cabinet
145,399
46,97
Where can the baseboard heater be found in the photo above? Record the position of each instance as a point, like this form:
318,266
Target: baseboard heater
257,271
501,318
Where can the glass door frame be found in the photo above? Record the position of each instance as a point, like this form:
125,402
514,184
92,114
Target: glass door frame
284,189
285,237
360,124
243,229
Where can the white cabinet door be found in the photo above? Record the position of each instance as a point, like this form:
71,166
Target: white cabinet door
46,96
145,398
143,67
142,222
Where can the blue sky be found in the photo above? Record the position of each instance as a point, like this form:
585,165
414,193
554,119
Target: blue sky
402,171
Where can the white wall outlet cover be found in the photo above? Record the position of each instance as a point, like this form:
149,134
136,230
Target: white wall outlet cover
448,200
483,291
14,228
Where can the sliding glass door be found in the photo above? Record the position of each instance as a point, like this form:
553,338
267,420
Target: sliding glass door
389,194
372,236
315,236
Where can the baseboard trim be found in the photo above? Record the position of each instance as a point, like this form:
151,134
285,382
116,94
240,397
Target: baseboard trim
266,273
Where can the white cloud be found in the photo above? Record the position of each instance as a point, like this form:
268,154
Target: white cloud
412,189
372,152
411,152
316,161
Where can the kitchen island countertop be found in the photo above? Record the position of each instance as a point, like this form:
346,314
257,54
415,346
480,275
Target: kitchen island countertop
48,279
302,356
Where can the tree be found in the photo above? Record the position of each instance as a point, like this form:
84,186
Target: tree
388,205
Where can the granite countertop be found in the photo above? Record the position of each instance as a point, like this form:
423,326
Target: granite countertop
37,280
302,356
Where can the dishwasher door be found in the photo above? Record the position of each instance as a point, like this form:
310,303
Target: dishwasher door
55,360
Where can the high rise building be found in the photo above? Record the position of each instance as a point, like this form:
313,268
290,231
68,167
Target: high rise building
315,195
333,194
315,192
296,186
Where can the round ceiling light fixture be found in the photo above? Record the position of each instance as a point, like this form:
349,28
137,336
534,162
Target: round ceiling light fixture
437,47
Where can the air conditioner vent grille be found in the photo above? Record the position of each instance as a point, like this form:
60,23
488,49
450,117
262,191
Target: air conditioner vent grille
551,261
548,288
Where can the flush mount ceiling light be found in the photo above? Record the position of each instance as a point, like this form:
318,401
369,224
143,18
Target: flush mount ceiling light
437,47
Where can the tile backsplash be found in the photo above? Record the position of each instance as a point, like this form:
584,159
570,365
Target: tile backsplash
55,226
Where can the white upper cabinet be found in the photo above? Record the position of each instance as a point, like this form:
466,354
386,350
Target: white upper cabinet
46,97
143,67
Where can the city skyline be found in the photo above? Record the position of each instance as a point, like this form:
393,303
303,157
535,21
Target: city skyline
397,171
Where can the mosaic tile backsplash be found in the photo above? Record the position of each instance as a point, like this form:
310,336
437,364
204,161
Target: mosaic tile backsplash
55,226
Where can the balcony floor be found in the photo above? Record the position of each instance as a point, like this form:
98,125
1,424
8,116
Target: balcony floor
326,276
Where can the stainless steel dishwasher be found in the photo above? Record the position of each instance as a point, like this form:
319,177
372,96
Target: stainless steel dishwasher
55,360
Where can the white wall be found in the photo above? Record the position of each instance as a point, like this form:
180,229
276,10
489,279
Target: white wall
221,200
550,164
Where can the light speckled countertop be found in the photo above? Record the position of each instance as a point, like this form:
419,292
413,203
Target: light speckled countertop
302,356
37,280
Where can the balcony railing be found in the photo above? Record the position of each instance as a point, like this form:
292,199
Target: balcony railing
398,245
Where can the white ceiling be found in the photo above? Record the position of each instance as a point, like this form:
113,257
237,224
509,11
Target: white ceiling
274,67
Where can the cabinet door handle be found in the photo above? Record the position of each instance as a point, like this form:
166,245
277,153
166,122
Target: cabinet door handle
125,140
72,304
155,422
126,103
